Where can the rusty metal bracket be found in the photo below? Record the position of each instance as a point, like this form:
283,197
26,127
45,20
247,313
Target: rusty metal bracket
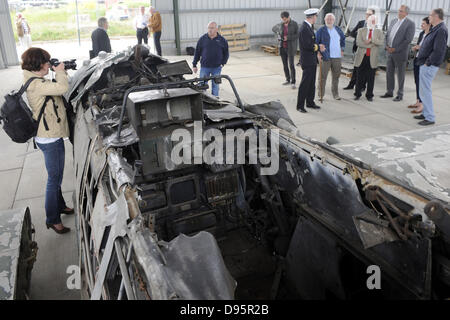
400,224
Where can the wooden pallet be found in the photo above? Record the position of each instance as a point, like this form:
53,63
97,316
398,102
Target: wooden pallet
271,49
236,35
347,74
347,70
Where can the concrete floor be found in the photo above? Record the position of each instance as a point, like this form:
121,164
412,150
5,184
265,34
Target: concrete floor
258,77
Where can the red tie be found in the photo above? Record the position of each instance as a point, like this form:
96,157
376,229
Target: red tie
368,49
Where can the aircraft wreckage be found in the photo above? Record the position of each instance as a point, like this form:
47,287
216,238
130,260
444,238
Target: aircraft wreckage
150,227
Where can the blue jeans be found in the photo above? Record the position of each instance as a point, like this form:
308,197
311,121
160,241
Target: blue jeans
426,76
206,72
54,155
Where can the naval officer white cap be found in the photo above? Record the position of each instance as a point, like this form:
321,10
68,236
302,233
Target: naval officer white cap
311,12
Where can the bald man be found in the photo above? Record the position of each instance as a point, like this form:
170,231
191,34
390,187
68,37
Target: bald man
212,51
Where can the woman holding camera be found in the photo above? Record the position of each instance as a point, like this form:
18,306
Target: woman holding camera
53,127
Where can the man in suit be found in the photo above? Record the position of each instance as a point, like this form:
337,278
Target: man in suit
354,33
100,39
287,32
308,61
431,55
399,36
369,41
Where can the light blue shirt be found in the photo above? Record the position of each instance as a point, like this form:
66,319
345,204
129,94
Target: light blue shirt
335,43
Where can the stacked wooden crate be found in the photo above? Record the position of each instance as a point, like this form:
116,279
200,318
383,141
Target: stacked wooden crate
236,35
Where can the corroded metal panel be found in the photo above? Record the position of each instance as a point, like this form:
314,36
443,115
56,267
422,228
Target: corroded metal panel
11,223
419,158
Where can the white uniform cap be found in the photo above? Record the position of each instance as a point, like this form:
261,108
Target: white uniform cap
311,12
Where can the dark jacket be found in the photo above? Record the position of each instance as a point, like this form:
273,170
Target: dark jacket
434,47
421,35
323,37
354,33
212,53
308,46
292,36
100,42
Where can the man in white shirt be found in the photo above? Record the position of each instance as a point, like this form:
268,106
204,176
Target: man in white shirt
140,24
398,38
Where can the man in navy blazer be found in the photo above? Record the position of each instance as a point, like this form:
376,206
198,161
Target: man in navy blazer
331,41
431,56
308,61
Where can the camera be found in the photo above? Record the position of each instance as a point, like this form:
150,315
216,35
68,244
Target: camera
70,64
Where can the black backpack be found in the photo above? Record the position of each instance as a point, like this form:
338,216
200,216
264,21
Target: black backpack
17,117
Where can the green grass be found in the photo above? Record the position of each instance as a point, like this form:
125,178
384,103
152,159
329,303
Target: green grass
60,24
138,4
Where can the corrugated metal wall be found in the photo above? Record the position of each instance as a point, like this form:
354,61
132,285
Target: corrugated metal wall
259,16
418,10
8,53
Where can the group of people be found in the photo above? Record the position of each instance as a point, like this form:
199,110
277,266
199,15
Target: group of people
143,23
212,51
326,47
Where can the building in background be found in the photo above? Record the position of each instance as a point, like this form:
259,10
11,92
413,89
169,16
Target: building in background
8,53
185,22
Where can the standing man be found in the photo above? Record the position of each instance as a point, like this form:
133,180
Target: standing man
308,61
331,41
399,36
212,51
140,24
100,39
287,32
354,33
431,56
369,41
23,31
155,26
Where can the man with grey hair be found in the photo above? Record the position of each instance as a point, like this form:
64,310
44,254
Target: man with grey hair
212,51
370,41
354,33
400,34
331,41
431,56
100,39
